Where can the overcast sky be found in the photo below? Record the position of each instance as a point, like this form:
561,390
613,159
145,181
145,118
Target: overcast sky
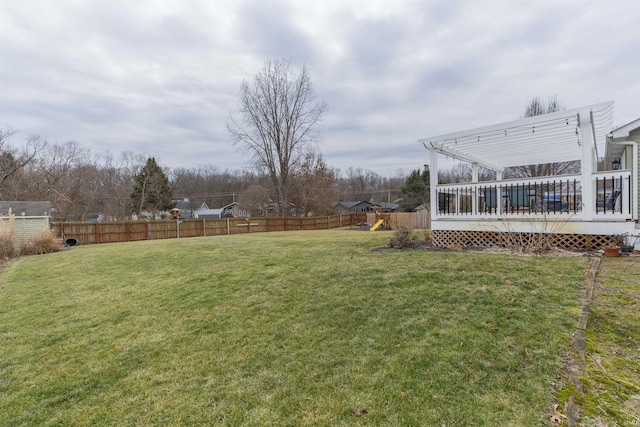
161,77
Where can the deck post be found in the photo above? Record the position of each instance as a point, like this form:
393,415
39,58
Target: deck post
433,182
498,194
474,192
588,164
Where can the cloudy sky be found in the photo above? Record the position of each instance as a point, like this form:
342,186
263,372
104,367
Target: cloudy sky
161,77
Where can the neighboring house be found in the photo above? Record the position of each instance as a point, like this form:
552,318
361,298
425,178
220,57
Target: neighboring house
272,209
210,213
95,218
350,207
187,208
384,206
232,210
235,210
579,210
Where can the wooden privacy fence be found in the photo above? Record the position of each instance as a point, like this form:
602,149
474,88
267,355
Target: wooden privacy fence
128,231
420,219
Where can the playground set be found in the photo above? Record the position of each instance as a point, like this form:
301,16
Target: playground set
382,222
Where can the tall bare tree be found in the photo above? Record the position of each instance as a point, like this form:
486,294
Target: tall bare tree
277,116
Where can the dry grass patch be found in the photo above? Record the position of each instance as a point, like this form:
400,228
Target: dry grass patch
43,243
6,243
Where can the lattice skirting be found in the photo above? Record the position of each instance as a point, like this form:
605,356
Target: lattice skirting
508,239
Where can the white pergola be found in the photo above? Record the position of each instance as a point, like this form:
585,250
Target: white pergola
568,135
553,137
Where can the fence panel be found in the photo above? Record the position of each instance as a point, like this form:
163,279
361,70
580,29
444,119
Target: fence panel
127,231
108,232
84,232
411,219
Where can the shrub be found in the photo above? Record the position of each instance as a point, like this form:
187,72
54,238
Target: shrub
6,243
44,243
528,243
402,237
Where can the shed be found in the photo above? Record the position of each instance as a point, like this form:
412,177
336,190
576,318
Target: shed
25,225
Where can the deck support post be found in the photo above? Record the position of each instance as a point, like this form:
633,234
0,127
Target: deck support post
433,182
588,164
474,191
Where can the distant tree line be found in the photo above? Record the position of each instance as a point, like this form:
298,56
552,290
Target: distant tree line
80,183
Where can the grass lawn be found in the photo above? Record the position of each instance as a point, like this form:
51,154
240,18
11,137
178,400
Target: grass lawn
283,329
611,376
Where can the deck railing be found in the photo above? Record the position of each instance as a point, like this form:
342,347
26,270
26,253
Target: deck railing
558,195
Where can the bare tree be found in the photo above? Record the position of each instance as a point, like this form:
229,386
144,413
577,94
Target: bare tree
14,160
255,199
278,114
313,185
537,107
360,184
118,174
49,170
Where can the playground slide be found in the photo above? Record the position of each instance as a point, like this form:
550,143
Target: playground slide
376,225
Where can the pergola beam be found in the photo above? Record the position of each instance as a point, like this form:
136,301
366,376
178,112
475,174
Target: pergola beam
461,156
548,138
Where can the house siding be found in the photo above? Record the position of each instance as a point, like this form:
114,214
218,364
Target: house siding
635,137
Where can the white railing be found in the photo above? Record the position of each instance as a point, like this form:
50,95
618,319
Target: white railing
559,195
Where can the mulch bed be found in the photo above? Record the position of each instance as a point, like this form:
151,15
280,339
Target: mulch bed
427,246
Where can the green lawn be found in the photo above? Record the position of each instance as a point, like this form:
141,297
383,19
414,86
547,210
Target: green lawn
611,376
283,329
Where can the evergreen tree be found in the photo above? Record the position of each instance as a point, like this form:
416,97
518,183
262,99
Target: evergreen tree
151,191
415,191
